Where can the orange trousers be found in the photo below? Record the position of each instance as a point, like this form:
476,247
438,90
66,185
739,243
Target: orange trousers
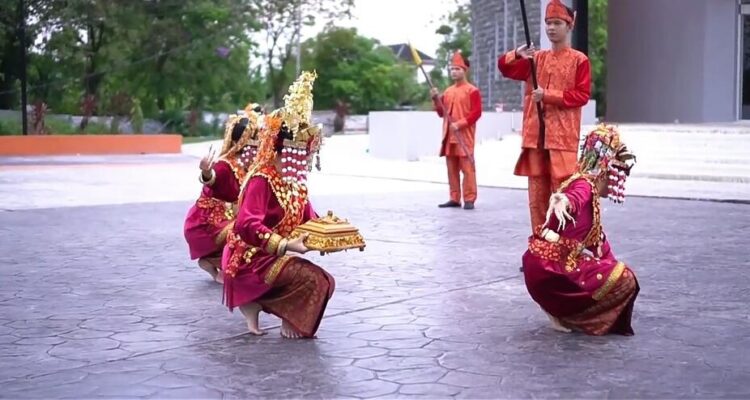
456,166
547,170
540,190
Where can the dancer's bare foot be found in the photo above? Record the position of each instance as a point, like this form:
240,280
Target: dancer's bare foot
557,325
212,269
251,312
288,332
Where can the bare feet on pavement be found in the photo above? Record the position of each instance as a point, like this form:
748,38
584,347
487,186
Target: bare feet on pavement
251,312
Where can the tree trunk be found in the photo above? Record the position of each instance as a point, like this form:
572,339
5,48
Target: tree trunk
7,98
338,123
8,70
161,100
93,78
273,81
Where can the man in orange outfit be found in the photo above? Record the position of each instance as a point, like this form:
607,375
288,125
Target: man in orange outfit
460,106
564,80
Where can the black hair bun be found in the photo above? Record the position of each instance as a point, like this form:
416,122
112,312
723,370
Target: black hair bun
285,133
239,129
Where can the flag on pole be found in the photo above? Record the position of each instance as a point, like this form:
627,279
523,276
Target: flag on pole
415,55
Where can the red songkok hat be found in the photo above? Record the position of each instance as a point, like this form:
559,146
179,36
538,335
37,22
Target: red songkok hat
458,61
556,9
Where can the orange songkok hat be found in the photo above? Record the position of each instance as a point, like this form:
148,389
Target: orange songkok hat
556,9
459,61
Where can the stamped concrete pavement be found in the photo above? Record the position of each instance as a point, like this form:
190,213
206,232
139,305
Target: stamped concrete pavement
102,301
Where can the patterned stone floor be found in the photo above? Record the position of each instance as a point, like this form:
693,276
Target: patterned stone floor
102,302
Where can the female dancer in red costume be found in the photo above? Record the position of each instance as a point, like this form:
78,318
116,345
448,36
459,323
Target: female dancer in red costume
569,267
259,273
209,220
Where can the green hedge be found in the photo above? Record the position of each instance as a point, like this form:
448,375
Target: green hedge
174,122
10,126
56,126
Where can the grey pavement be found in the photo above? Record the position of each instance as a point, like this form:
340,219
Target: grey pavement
103,302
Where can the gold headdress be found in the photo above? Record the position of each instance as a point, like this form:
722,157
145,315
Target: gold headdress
290,131
296,115
248,137
604,155
254,112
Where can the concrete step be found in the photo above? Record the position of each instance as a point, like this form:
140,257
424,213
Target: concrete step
713,175
742,128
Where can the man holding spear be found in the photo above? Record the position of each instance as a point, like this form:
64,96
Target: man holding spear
460,106
558,85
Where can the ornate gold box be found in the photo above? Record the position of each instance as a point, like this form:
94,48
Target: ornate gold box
330,234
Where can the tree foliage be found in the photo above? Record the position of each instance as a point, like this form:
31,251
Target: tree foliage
168,59
456,33
358,71
598,52
281,22
168,54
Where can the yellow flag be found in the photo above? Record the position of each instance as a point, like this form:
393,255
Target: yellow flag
415,55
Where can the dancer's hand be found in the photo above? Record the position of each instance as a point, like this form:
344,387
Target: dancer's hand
434,92
207,162
526,52
297,244
558,205
455,127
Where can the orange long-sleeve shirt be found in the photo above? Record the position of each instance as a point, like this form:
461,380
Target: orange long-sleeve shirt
565,76
462,104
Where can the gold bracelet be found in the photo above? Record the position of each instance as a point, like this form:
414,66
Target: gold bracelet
210,182
272,243
282,247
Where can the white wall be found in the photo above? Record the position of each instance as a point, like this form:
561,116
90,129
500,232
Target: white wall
409,135
404,135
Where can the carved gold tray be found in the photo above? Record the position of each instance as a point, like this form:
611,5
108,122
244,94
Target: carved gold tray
330,234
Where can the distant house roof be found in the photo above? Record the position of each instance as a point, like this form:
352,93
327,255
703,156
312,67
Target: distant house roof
403,53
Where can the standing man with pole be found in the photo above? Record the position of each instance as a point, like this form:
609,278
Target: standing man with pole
561,82
460,106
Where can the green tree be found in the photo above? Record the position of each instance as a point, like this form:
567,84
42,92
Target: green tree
359,71
136,117
281,21
83,32
176,58
598,52
456,33
183,55
189,56
37,17
10,51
